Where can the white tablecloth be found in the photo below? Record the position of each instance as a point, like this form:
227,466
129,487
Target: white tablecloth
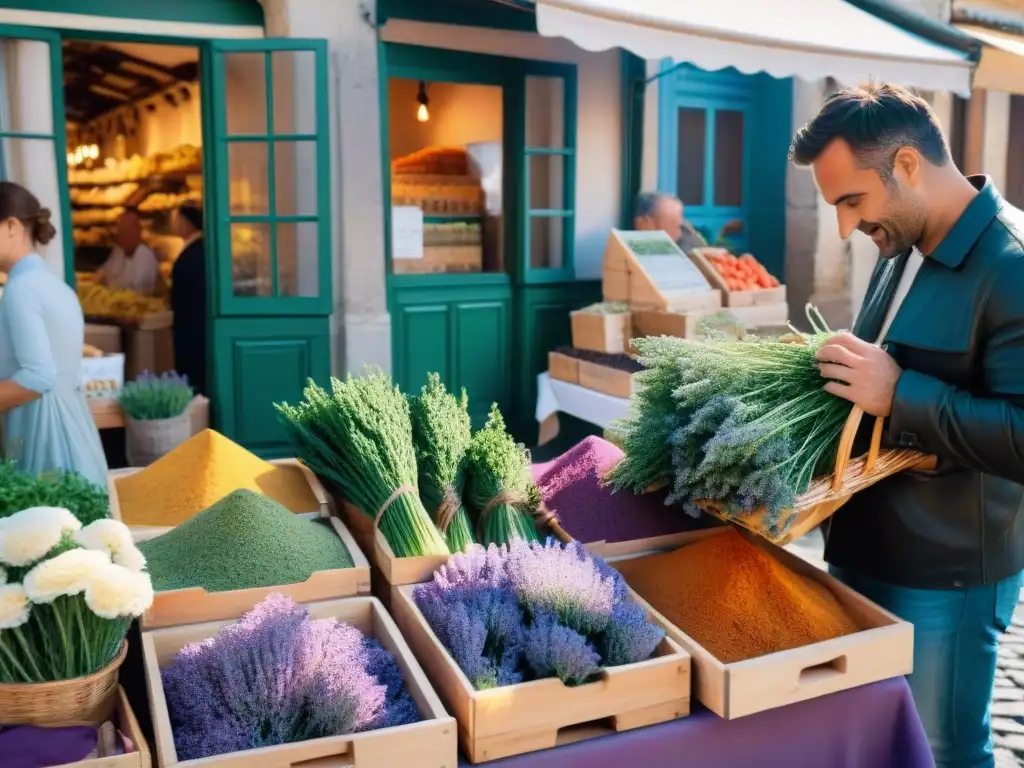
555,397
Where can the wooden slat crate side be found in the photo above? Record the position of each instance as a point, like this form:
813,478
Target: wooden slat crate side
599,332
609,381
128,725
563,368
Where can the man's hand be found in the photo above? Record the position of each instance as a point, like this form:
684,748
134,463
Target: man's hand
862,373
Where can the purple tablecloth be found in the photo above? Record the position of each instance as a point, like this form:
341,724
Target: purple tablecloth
874,726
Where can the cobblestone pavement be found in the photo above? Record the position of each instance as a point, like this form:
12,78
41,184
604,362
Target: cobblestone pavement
1008,696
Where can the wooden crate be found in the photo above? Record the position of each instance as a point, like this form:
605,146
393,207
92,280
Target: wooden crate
760,297
601,331
541,714
685,325
665,281
145,532
601,378
883,649
761,315
431,742
563,368
128,725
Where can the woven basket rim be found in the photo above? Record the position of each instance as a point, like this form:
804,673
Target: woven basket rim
74,681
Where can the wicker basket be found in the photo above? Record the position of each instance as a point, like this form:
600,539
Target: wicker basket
827,494
86,700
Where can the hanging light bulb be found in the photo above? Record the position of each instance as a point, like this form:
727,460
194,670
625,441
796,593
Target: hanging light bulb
422,113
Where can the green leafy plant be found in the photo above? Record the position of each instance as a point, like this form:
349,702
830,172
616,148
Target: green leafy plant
359,438
152,397
68,490
746,424
67,594
441,433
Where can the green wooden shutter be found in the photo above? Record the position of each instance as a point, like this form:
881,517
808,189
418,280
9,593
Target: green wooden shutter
271,209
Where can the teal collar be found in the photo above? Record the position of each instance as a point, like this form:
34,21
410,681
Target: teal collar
959,241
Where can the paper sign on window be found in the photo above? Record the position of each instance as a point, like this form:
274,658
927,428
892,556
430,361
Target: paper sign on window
406,232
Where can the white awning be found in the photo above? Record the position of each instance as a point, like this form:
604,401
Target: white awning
785,38
1002,59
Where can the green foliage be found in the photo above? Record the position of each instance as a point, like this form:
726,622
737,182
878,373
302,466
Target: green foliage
150,397
359,438
18,491
441,433
746,424
497,465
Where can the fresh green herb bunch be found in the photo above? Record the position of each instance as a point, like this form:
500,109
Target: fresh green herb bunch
746,424
151,397
359,437
441,433
68,490
498,484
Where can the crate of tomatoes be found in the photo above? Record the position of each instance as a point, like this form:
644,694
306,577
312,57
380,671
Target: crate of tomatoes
749,291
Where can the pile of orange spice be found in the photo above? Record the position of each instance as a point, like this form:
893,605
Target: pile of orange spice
735,599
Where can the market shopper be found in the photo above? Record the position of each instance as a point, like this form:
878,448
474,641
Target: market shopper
188,298
661,211
47,424
131,265
938,350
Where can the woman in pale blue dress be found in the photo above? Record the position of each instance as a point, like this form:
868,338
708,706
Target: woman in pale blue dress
47,424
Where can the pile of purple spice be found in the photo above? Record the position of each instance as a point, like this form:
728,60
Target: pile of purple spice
572,486
528,611
276,677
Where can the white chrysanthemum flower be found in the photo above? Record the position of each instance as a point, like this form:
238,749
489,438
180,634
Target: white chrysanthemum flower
14,606
116,592
114,538
69,573
28,535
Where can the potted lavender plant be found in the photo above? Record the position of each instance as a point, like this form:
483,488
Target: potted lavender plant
158,416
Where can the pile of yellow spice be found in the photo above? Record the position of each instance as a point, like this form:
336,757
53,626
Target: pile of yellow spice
201,472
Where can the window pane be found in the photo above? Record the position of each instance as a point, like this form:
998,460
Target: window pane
547,242
728,157
690,168
250,259
245,76
545,112
247,174
547,182
33,164
297,258
26,103
294,91
295,176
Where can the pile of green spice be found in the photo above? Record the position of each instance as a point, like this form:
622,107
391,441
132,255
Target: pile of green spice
245,540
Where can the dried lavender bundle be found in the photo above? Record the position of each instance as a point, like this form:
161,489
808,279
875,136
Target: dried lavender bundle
498,484
441,433
746,424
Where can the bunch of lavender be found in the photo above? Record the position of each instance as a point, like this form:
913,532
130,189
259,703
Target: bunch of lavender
529,611
275,677
441,433
151,397
498,484
746,424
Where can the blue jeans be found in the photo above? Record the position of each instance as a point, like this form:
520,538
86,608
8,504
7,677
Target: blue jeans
956,637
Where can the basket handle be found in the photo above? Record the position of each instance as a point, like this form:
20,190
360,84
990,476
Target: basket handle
846,445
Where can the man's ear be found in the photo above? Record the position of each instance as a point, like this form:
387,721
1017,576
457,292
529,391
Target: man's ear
907,166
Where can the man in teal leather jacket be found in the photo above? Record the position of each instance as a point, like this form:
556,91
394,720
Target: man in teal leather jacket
938,352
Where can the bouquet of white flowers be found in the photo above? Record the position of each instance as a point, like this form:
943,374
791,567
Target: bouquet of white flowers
67,594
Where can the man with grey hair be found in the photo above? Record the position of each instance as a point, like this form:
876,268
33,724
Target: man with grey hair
662,211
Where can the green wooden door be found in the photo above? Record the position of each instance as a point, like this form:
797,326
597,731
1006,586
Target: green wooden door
33,138
268,213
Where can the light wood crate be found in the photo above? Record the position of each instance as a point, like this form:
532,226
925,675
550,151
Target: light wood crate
128,725
563,368
609,381
540,714
756,298
883,649
431,742
600,331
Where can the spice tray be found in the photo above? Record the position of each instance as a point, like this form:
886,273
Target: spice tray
128,725
195,605
884,648
563,368
541,714
605,379
597,331
145,532
431,742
